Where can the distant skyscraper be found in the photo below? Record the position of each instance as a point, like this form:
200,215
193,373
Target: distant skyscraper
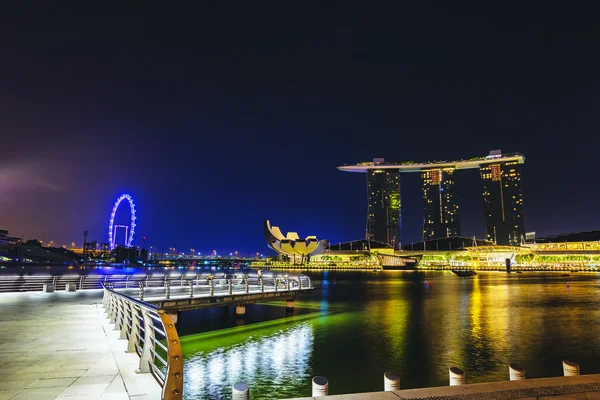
441,216
501,177
383,220
503,202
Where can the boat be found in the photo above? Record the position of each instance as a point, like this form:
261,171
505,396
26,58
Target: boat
464,273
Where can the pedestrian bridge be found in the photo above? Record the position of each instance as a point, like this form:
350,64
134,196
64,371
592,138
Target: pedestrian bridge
183,292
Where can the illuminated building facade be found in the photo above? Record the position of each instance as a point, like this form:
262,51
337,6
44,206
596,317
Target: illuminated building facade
383,219
503,198
503,202
441,215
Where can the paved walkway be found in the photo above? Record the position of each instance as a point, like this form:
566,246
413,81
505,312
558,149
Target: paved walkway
60,345
584,387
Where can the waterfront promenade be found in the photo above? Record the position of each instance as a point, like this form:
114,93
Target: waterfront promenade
60,345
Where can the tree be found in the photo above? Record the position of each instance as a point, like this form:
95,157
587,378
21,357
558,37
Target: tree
33,242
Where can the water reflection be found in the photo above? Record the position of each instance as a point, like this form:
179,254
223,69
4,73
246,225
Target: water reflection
275,364
353,331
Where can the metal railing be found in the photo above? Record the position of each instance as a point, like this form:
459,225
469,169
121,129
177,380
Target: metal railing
34,282
151,333
194,285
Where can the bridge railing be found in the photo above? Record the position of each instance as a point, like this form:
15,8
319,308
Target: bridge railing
151,334
193,285
35,282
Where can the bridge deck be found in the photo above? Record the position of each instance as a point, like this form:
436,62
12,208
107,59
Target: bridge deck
58,345
180,300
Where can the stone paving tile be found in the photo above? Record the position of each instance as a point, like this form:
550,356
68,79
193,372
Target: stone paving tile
500,386
20,384
9,394
95,389
115,387
64,373
58,382
102,379
432,392
39,394
101,372
19,376
114,396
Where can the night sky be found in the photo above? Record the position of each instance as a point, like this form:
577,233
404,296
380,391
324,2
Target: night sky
217,116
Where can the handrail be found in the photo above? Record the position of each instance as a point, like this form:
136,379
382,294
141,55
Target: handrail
216,286
91,280
136,319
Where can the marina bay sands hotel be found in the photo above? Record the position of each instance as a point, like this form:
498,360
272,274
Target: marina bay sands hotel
502,197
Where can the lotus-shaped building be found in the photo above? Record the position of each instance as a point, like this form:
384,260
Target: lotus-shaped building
291,245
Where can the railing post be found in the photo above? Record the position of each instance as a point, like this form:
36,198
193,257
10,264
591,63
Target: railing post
112,307
146,355
191,289
276,284
106,302
141,296
212,287
173,387
125,325
230,286
247,287
167,289
300,282
135,330
105,299
262,284
119,315
114,310
81,282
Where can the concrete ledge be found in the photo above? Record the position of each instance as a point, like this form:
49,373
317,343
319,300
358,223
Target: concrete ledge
564,387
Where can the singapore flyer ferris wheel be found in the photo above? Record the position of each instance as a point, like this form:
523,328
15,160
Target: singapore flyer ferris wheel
112,228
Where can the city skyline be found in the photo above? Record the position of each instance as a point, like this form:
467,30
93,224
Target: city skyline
212,122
